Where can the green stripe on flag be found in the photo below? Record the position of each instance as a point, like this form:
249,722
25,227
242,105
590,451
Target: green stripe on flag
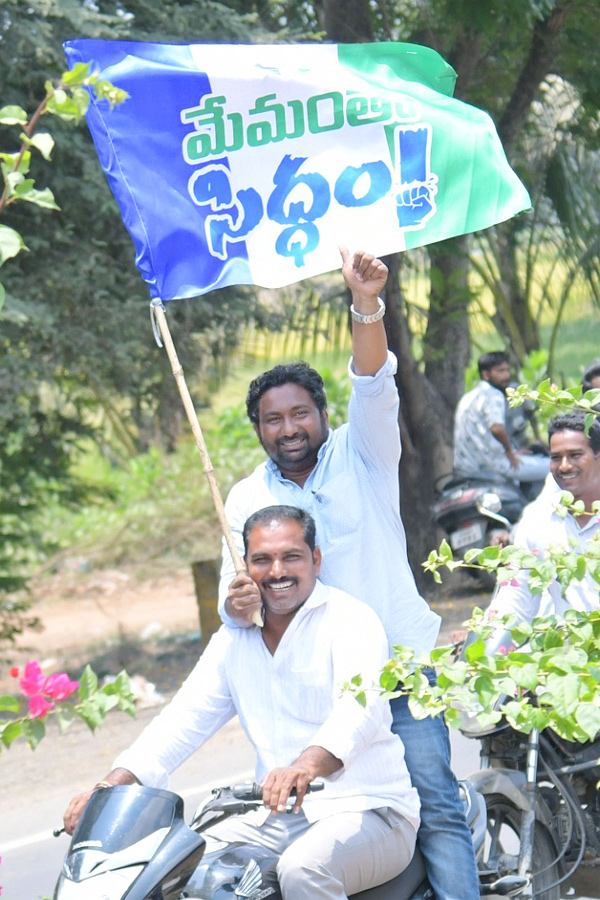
388,64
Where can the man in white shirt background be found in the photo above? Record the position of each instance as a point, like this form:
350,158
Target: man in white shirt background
348,480
575,467
284,683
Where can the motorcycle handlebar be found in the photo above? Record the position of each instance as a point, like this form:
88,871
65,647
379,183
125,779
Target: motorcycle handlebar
253,791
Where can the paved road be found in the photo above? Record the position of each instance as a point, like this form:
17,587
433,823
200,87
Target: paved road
31,857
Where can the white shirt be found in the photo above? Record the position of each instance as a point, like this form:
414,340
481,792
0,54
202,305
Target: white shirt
288,701
541,527
354,497
475,447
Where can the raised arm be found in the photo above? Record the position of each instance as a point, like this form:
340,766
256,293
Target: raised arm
365,276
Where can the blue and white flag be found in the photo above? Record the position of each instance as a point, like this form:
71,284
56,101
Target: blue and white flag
251,164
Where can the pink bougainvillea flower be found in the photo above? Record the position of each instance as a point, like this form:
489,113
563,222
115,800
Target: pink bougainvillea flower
59,687
39,707
15,671
32,680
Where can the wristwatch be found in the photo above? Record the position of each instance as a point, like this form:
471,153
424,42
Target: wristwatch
373,317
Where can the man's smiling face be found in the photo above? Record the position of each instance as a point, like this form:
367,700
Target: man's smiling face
291,428
283,566
574,465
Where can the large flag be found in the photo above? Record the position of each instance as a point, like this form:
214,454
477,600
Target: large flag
251,164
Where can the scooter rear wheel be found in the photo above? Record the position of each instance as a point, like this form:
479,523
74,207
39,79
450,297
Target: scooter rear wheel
501,849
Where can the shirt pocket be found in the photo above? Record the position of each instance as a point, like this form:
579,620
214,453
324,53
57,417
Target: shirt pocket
338,509
308,694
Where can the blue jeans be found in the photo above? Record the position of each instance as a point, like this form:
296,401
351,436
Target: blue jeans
444,838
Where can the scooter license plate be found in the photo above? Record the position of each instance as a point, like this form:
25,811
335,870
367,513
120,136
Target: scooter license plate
469,535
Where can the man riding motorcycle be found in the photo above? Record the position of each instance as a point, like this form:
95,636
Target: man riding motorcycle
482,443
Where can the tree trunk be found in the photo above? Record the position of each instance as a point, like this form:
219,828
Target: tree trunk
514,318
426,450
447,346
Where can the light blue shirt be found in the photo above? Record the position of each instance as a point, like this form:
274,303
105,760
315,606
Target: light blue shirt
353,495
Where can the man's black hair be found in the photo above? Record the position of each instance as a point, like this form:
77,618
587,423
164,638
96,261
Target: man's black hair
489,360
295,373
592,371
574,420
281,514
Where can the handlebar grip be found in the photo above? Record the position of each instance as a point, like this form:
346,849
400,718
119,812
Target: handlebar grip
250,790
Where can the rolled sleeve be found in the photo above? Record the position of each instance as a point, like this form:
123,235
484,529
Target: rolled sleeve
373,415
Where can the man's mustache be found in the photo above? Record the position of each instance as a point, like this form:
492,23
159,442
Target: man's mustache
289,439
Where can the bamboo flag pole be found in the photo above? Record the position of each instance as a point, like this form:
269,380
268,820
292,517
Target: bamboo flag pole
159,317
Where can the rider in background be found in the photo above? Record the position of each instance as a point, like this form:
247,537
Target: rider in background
482,442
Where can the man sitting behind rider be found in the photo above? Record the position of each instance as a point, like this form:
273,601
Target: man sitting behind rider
284,683
482,444
575,467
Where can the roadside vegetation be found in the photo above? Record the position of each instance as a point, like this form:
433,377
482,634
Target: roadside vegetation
95,460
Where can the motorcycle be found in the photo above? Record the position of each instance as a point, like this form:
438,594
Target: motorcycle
477,512
542,805
132,843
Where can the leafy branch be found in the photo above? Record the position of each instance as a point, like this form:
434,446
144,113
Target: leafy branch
57,695
552,682
563,564
558,399
69,100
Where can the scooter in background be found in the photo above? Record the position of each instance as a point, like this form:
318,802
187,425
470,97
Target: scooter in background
477,512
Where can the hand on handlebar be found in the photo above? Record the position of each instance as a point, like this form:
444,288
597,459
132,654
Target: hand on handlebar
74,810
278,785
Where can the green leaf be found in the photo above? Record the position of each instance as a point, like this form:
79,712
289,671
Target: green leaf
2,295
44,198
13,115
43,142
77,75
11,732
525,676
455,673
33,731
476,650
88,683
587,716
9,703
65,716
11,243
564,693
